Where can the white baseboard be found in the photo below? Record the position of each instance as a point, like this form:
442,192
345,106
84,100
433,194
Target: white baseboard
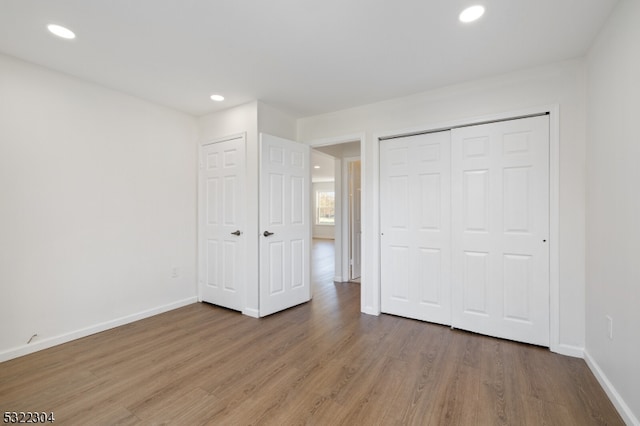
84,332
568,350
370,311
254,313
622,407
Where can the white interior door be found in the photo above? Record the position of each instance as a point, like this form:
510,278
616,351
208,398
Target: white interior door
222,223
415,219
355,223
500,181
285,224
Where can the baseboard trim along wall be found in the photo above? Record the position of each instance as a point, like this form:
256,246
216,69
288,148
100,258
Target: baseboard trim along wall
622,407
84,332
569,350
254,313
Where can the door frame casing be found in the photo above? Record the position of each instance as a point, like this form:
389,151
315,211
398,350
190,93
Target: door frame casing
347,225
371,232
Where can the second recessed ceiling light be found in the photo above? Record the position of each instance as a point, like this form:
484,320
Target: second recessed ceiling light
61,31
471,14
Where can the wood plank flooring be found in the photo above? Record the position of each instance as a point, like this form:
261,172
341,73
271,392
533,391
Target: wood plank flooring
321,363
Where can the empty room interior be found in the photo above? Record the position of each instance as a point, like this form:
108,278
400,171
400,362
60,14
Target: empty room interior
299,212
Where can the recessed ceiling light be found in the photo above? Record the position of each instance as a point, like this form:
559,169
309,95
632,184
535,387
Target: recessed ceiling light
61,31
471,14
217,98
316,167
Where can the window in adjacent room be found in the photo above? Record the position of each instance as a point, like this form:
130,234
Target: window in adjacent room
325,208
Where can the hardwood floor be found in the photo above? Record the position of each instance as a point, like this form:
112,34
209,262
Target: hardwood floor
319,363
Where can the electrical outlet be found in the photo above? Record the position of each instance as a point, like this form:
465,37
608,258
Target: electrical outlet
175,272
609,327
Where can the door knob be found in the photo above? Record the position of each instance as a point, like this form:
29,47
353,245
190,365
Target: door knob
267,233
238,233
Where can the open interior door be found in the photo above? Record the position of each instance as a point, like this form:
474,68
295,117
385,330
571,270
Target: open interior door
285,227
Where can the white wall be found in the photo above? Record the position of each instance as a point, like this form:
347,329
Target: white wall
562,84
276,122
613,207
322,231
97,206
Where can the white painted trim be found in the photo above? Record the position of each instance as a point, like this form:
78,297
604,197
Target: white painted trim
337,140
200,266
339,223
554,208
623,409
569,350
224,138
346,228
368,310
346,225
97,328
254,313
371,233
554,233
470,121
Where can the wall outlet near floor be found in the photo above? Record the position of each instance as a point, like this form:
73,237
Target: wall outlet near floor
175,272
609,327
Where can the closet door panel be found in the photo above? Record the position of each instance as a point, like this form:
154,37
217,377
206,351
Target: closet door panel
500,204
415,226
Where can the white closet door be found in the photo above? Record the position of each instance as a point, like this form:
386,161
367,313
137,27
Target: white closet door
500,203
222,223
415,226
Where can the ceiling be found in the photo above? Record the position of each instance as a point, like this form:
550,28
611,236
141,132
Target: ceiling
305,57
326,167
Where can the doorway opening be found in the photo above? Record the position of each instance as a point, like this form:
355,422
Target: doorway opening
336,199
